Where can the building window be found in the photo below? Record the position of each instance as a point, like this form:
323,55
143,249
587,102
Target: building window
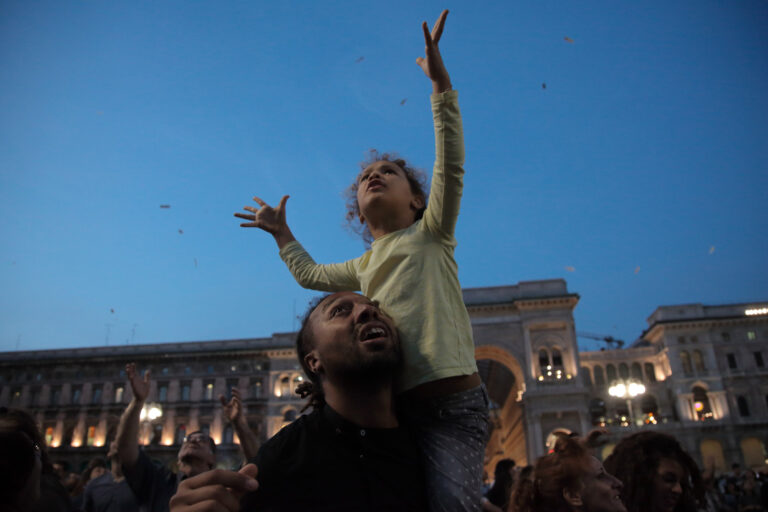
685,359
544,361
48,436
610,372
256,388
96,395
35,397
726,336
650,372
91,437
732,361
650,409
165,370
208,395
231,383
751,335
285,387
624,371
157,434
599,378
701,404
228,437
637,372
598,412
698,362
205,428
741,402
210,369
759,360
16,396
185,391
162,391
76,394
586,378
181,433
119,389
187,370
55,396
681,340
557,359
694,339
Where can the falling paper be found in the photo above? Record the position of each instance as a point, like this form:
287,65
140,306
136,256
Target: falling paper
543,85
402,102
195,262
712,250
111,310
181,231
568,39
165,206
637,269
570,269
360,59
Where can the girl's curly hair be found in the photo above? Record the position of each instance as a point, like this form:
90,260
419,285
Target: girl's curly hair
416,178
635,461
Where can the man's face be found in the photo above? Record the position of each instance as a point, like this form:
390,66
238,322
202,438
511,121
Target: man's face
197,445
352,336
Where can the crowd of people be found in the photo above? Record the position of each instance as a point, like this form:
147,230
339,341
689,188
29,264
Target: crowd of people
397,413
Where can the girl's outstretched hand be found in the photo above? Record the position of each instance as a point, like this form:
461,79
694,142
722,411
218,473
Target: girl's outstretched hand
271,220
432,64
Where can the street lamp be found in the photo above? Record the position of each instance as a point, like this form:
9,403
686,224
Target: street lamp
627,390
149,413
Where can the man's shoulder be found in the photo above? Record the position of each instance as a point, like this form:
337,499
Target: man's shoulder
290,436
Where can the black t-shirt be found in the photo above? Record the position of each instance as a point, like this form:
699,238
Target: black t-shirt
152,484
103,494
321,462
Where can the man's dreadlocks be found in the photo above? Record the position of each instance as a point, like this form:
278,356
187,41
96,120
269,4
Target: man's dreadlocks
305,343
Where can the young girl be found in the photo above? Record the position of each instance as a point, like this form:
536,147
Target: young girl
411,272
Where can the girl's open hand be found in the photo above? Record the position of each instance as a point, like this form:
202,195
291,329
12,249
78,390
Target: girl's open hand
432,64
271,220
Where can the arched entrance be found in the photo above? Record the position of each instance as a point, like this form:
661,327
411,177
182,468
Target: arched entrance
503,377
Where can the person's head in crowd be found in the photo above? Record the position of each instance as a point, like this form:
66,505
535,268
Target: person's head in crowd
95,468
503,478
572,479
521,487
197,453
21,461
345,337
657,473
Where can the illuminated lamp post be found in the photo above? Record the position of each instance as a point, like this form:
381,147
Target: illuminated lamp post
627,390
149,413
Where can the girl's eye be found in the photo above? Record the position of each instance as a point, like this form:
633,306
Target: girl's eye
389,171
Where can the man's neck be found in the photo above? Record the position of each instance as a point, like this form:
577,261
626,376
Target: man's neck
192,466
366,406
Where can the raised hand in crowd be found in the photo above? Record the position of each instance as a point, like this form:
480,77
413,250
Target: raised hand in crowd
432,63
233,411
217,490
270,219
139,386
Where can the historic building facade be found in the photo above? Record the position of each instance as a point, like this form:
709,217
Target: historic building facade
703,369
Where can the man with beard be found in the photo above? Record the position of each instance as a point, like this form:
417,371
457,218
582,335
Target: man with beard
350,452
154,485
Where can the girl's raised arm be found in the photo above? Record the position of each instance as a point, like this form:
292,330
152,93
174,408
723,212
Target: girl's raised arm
432,64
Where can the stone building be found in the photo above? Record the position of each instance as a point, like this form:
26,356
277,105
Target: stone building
703,368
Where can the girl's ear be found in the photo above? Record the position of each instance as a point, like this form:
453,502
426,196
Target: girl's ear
313,363
417,203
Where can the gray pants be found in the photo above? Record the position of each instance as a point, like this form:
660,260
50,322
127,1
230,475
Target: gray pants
452,433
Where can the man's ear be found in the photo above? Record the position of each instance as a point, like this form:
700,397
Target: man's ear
573,498
313,363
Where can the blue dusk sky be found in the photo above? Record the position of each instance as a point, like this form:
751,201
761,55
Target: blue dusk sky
618,145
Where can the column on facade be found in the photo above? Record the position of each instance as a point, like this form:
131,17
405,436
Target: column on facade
169,426
530,371
58,431
101,430
685,406
718,401
536,441
78,434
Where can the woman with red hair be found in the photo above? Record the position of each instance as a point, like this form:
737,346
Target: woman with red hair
571,479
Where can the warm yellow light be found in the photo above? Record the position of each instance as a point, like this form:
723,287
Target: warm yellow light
76,443
699,406
55,443
756,311
541,377
98,443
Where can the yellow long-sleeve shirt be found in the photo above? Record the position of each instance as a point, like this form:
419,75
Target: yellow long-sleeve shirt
412,272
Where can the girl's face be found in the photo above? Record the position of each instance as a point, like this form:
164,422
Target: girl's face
668,485
601,490
383,187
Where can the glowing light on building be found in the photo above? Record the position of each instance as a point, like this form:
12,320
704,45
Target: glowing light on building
756,311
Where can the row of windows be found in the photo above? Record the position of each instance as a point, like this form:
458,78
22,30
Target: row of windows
601,378
725,336
166,370
97,395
